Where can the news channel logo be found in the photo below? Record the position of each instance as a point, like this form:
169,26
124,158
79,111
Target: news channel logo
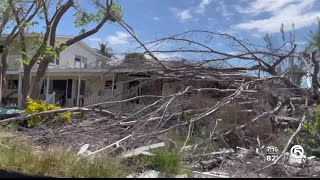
297,154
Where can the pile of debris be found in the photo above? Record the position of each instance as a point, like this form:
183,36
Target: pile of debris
213,107
229,116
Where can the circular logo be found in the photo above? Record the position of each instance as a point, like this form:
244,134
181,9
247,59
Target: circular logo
297,151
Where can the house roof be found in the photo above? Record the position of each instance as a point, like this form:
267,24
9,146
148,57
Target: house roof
90,49
85,45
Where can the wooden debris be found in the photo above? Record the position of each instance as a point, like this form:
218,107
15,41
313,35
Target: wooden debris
210,174
142,150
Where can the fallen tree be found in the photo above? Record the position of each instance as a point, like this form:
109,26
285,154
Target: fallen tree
216,107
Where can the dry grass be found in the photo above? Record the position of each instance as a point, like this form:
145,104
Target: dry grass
17,155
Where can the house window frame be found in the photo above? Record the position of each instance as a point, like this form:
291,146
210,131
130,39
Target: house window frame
109,86
55,60
82,61
11,85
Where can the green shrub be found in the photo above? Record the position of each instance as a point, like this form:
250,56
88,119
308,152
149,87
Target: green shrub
163,160
37,106
166,162
309,138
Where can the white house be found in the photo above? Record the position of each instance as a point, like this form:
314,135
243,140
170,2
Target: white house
79,63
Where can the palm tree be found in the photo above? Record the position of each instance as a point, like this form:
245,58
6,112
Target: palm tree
105,51
314,47
291,68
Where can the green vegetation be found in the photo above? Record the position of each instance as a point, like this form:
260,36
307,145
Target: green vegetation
164,161
37,106
18,156
116,11
309,138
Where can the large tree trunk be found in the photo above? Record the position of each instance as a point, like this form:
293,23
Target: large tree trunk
37,81
1,90
3,70
4,67
26,84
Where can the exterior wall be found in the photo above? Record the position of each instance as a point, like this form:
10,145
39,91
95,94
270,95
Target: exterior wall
67,57
96,92
169,88
14,56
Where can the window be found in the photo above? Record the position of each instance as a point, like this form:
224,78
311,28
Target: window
12,84
80,62
108,85
77,62
84,62
55,60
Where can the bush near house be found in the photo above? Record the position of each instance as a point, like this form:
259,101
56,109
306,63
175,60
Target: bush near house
37,106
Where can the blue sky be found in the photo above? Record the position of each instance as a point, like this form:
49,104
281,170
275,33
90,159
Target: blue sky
251,20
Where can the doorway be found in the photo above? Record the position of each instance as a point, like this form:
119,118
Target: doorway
60,88
82,92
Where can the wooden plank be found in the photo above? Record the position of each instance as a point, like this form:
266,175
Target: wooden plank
142,150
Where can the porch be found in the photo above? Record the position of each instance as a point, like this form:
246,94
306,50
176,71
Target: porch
64,89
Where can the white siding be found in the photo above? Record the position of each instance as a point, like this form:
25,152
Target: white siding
67,57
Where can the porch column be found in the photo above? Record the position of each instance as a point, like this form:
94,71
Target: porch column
48,84
78,95
20,91
112,90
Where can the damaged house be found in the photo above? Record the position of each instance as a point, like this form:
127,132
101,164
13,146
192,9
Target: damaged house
77,78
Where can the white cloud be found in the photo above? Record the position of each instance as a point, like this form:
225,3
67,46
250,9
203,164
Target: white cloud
156,18
184,15
187,14
259,6
120,38
202,6
95,39
224,9
165,56
285,11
